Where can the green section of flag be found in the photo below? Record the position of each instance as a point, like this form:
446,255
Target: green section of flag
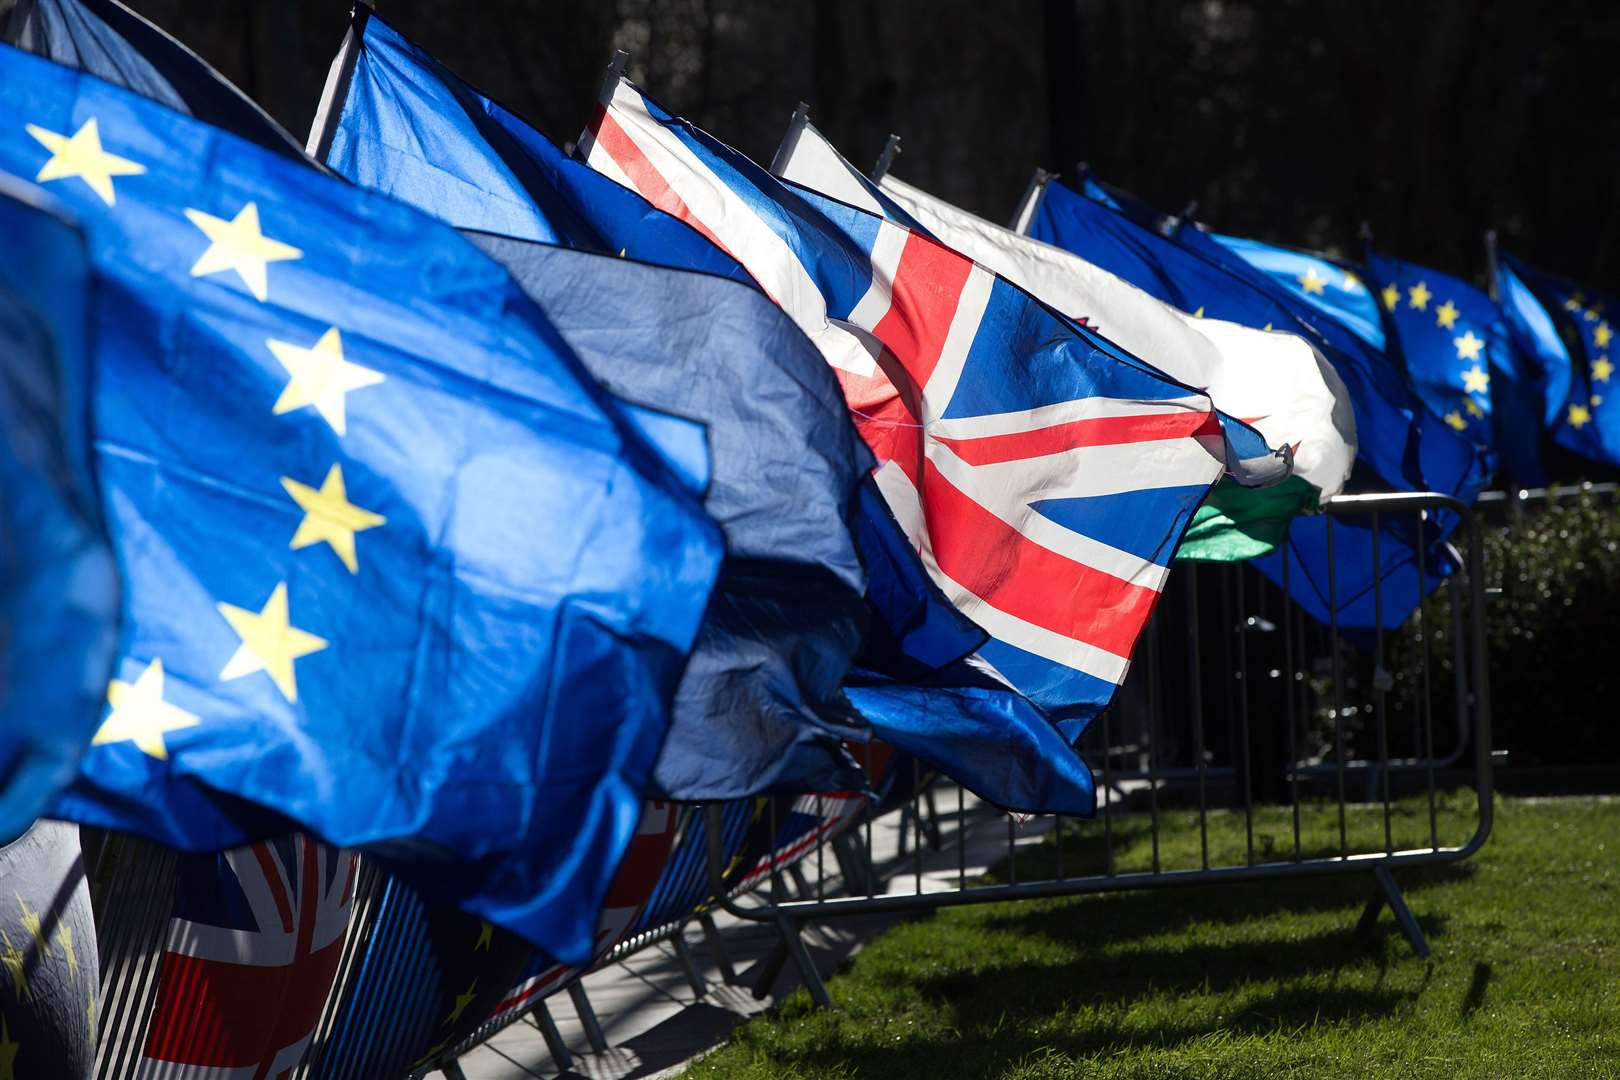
1237,523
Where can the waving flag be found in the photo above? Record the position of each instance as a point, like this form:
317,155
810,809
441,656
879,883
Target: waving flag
106,39
58,582
1565,331
1290,394
396,569
248,959
1400,444
1455,343
1045,476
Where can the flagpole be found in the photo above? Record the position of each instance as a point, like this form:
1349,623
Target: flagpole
1490,266
790,139
885,159
1034,192
336,90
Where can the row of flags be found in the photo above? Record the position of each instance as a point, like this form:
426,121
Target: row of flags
433,493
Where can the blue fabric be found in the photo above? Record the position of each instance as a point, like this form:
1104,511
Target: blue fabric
1455,344
106,39
1401,446
58,582
481,683
411,128
759,706
1564,332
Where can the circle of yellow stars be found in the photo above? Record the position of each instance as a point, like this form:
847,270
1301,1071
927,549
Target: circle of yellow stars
1579,414
319,378
1476,380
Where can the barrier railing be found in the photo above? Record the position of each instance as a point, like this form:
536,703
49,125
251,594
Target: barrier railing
1323,690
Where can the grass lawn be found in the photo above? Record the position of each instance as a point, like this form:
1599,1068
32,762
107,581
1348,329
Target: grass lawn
1243,980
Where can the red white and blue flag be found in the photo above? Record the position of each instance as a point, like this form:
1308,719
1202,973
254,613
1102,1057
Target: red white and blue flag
249,960
1044,475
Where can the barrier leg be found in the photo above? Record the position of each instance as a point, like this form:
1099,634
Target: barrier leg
800,883
694,977
930,821
769,969
722,958
452,1071
587,1017
1389,893
802,960
548,1031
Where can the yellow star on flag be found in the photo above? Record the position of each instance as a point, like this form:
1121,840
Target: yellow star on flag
1468,346
16,968
462,1001
1454,418
1574,303
1596,400
1476,381
270,643
8,1052
140,715
1602,335
1602,369
1351,283
81,155
1199,314
329,516
1590,314
1311,281
1418,296
1579,415
1445,316
486,935
320,377
1473,408
64,938
1392,296
31,923
238,245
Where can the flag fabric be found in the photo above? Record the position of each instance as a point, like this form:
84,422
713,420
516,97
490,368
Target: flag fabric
759,706
1045,475
106,39
50,991
1400,445
396,570
406,125
1456,347
1563,331
1277,381
248,959
58,582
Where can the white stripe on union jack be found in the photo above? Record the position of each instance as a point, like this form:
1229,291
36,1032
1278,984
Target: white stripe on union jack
1008,505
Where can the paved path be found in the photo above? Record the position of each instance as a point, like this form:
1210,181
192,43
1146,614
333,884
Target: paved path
654,1018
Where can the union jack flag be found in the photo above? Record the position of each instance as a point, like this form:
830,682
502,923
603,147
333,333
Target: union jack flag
1044,475
251,953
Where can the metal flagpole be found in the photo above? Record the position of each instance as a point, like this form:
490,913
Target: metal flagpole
885,159
336,90
1031,202
1490,266
790,139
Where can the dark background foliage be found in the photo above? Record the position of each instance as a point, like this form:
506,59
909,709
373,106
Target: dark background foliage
1291,120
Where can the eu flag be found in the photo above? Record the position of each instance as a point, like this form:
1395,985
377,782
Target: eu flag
1565,332
1400,445
402,123
58,584
396,570
106,39
1455,344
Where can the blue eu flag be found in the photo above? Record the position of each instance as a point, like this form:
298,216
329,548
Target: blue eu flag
1455,344
58,583
396,570
406,125
1565,333
106,39
1399,444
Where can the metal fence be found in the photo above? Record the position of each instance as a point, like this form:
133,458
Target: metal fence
1245,713
1249,744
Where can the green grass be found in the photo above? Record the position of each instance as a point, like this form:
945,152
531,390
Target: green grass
1243,980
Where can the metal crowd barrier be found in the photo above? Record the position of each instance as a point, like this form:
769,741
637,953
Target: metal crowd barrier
1187,736
1238,708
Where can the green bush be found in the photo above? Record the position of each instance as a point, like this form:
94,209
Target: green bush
1552,631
